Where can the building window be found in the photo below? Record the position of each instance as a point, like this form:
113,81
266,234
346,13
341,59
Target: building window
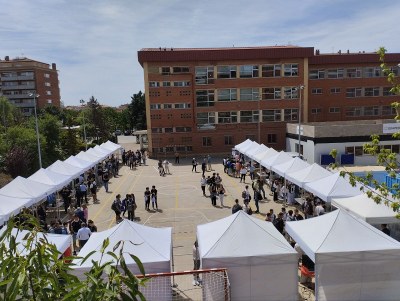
317,74
272,138
291,114
354,150
167,106
248,71
226,71
227,94
154,93
49,101
353,72
228,140
353,92
249,116
183,129
182,106
155,106
205,98
181,84
47,84
316,110
154,84
354,111
395,149
371,111
335,90
368,92
227,117
204,75
207,141
271,70
388,111
290,69
156,131
271,93
249,94
290,93
388,91
206,120
165,70
334,110
271,115
296,148
180,69
372,72
168,130
47,75
336,73
185,93
48,92
316,91
166,84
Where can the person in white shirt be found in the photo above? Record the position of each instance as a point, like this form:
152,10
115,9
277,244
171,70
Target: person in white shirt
83,235
166,167
319,209
243,172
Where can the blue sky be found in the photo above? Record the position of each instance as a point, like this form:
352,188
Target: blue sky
94,43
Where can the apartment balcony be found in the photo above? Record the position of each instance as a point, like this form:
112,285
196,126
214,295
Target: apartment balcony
19,77
17,96
18,87
27,104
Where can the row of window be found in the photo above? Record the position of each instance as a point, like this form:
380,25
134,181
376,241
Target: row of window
172,149
370,111
15,74
169,106
353,72
178,129
359,150
358,92
154,84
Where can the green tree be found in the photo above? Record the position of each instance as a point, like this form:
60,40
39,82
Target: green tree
137,111
69,142
98,126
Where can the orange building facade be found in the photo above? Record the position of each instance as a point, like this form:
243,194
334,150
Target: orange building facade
201,101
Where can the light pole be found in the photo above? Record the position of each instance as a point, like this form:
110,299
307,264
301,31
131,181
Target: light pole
300,89
84,128
34,95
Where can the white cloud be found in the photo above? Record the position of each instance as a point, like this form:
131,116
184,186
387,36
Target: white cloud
95,43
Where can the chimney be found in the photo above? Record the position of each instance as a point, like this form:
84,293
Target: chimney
317,52
7,58
348,51
54,66
340,52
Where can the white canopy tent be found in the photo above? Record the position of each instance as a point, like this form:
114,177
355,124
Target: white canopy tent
26,189
88,157
353,260
10,206
48,177
261,264
333,186
60,241
266,154
102,150
365,208
308,174
292,165
243,144
111,146
153,246
259,149
276,159
78,162
97,154
65,169
249,147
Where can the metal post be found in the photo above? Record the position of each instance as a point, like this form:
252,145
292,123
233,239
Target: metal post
299,89
84,128
34,95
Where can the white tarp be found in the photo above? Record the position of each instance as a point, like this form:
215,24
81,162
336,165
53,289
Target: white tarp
353,260
308,174
111,146
261,264
52,178
333,186
278,158
88,157
65,169
153,246
249,147
266,154
101,156
81,163
60,241
261,148
243,144
365,208
10,206
102,150
26,189
294,164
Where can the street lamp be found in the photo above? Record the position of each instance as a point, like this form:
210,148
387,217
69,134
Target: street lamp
84,128
34,95
299,89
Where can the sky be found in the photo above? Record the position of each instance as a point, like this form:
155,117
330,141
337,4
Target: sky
95,42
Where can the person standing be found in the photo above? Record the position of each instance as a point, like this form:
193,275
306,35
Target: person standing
147,195
204,166
83,235
105,178
194,165
116,207
153,192
203,183
74,227
236,207
243,172
176,158
213,195
131,206
246,195
83,189
196,263
93,190
124,205
209,163
92,227
166,167
221,194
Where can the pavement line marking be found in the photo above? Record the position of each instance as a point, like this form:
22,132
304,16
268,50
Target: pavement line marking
176,192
